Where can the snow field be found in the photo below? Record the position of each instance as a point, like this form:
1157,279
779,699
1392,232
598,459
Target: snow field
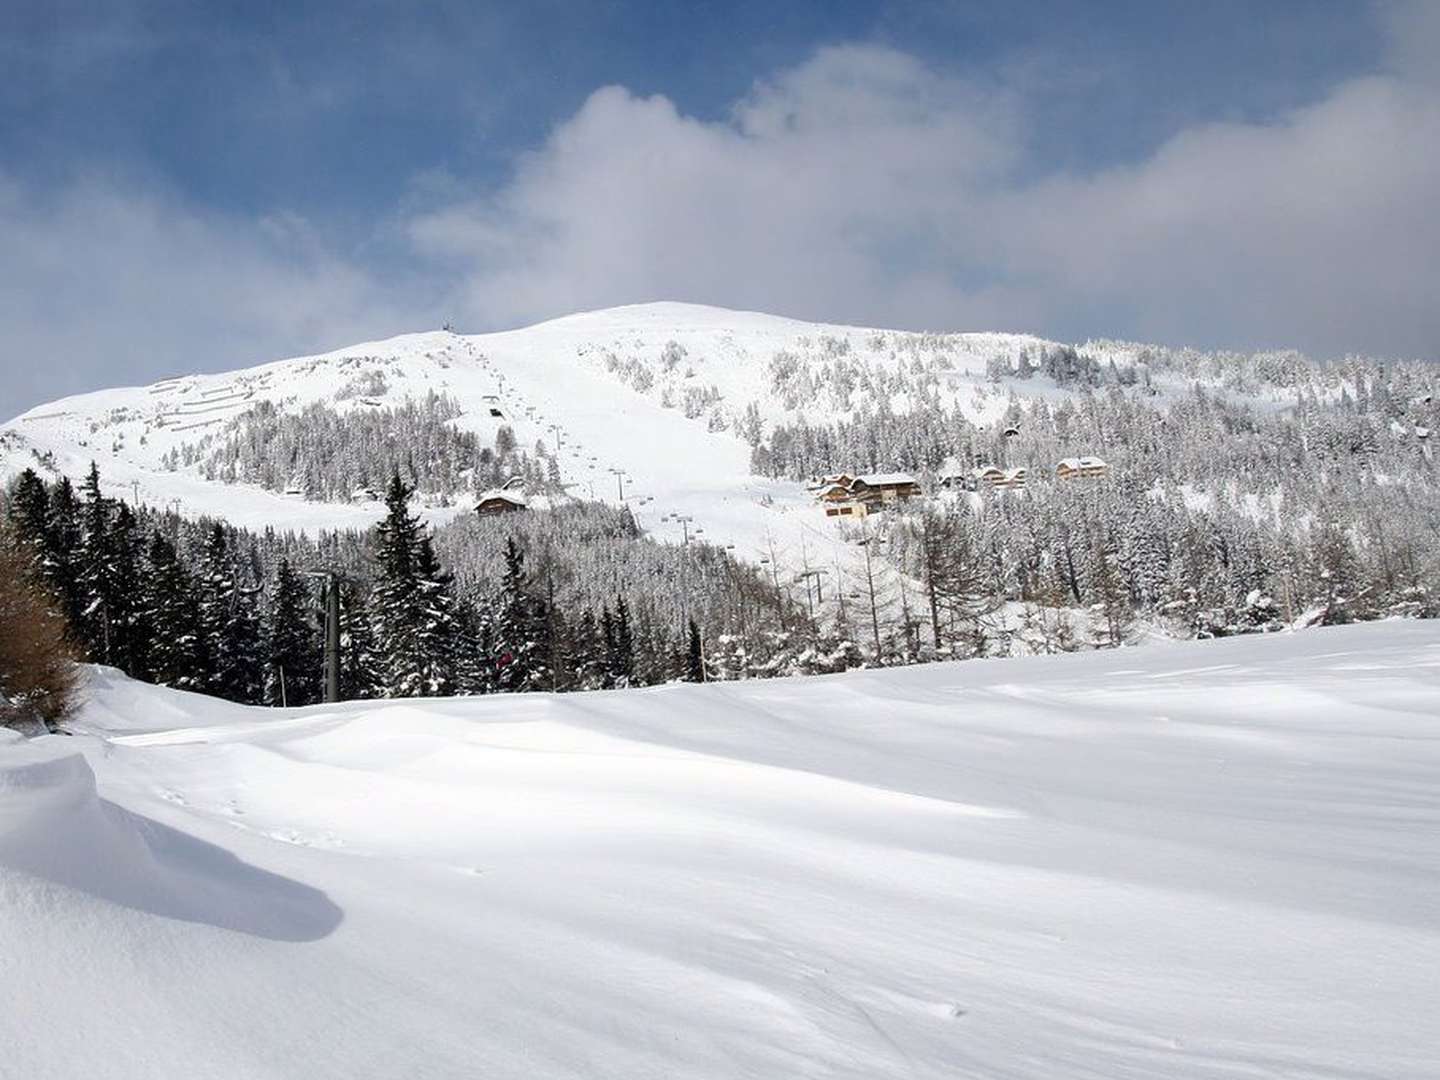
1212,860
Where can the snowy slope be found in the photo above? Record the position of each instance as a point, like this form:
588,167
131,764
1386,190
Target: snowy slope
609,385
1209,860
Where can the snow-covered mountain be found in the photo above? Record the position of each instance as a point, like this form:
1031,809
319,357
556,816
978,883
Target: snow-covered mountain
652,396
1194,861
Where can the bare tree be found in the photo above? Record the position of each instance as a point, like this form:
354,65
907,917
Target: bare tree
38,676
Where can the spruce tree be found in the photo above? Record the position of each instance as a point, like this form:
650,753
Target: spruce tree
395,601
587,653
292,673
231,635
171,616
439,631
99,597
66,536
695,656
519,661
360,676
621,642
30,515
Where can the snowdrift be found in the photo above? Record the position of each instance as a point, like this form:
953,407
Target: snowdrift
55,830
1212,860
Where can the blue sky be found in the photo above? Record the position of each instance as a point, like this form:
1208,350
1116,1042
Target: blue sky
195,185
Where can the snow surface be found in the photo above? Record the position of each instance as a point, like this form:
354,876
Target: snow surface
1202,860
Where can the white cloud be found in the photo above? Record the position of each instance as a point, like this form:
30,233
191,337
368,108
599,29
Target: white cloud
102,285
860,186
863,186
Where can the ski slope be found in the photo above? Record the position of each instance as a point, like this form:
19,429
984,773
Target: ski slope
1201,860
574,383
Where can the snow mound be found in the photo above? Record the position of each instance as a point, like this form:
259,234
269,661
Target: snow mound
56,830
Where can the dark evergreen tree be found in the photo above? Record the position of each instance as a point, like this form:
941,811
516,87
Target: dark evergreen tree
695,655
30,515
232,638
519,657
130,631
587,654
100,599
293,663
172,617
360,676
439,628
397,602
66,537
620,641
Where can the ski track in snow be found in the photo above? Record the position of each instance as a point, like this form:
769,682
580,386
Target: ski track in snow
1207,860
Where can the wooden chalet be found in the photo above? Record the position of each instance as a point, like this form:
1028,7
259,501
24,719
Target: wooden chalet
496,502
884,488
1080,468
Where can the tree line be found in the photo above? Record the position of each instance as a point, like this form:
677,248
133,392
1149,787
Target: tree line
206,607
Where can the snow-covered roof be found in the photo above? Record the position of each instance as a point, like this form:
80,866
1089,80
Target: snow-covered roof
1082,463
988,470
894,479
513,497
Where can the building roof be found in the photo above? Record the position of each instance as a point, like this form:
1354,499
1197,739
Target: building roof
895,479
1082,463
512,497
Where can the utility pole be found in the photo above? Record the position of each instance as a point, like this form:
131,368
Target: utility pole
332,639
620,482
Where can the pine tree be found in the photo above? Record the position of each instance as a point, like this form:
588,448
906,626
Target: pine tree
98,588
66,539
172,617
695,655
231,634
587,653
518,656
30,515
397,602
439,632
214,591
360,675
130,630
620,642
292,675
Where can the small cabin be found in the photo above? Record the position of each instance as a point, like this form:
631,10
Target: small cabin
364,494
885,488
1080,468
492,503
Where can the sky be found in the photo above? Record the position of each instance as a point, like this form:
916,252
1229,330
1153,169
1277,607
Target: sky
201,185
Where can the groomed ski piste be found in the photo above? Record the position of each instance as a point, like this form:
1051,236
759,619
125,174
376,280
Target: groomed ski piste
1200,860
